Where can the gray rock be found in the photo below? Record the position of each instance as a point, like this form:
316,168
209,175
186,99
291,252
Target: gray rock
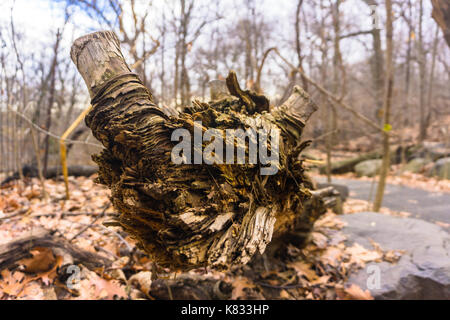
423,271
416,165
432,151
441,169
368,168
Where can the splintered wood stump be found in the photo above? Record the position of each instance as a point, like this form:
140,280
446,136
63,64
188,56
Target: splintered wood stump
192,215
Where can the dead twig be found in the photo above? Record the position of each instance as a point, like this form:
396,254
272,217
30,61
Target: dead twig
92,223
52,134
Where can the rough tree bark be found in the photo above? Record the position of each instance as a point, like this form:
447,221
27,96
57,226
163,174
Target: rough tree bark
192,215
441,13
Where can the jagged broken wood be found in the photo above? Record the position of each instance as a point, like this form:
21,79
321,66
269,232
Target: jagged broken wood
192,215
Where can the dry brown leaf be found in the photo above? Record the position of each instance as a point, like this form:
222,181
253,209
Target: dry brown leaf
31,291
12,283
285,295
360,255
304,269
93,287
239,286
48,276
15,283
109,290
32,194
13,204
319,240
42,260
331,256
354,292
330,221
142,281
321,280
392,256
2,204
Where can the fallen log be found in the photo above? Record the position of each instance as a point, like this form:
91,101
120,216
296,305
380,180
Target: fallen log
348,165
52,172
192,215
11,253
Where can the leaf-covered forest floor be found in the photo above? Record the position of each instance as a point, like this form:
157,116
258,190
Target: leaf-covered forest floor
317,271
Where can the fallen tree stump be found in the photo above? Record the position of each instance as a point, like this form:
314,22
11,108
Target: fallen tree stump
192,215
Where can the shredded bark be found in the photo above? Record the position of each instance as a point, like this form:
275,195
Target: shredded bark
191,215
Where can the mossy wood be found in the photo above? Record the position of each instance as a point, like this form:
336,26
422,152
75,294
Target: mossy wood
187,216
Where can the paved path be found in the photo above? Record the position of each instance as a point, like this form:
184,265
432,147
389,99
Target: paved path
429,206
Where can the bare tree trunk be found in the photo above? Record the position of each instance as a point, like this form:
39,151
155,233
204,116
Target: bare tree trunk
378,71
38,162
15,137
325,101
408,53
406,115
51,98
248,54
377,62
17,123
163,64
422,75
387,107
332,114
185,84
431,80
176,79
298,47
